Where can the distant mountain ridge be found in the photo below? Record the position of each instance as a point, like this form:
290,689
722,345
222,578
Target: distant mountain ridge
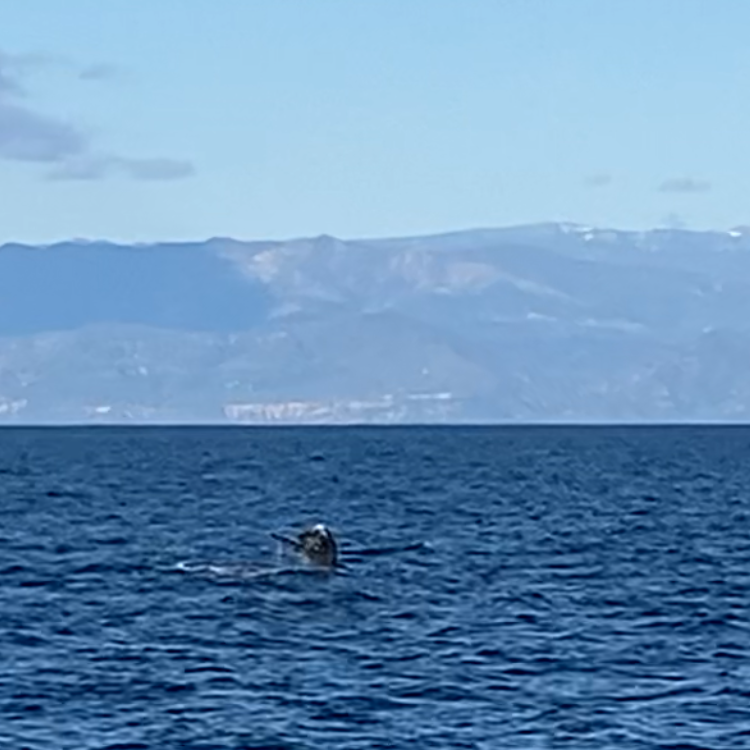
546,322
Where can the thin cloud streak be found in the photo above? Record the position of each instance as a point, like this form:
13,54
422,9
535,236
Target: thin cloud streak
99,72
157,169
599,180
29,135
99,167
685,185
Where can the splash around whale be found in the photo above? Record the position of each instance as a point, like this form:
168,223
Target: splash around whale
313,550
315,546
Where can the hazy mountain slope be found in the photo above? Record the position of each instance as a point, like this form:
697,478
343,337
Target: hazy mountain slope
547,322
67,285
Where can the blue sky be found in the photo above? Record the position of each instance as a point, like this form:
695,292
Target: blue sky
184,119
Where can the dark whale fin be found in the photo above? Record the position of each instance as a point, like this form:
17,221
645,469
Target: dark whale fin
293,542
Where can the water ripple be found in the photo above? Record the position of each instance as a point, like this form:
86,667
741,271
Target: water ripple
519,588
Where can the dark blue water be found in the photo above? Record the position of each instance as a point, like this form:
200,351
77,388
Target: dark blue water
504,588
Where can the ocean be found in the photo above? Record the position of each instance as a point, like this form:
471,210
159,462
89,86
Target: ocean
501,587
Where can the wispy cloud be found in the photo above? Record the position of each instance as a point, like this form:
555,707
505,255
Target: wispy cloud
9,72
99,72
598,180
157,169
684,185
23,66
28,134
86,166
100,166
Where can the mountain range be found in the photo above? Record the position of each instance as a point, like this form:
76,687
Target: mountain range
540,323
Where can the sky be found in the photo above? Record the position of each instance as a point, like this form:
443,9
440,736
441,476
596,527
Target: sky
187,119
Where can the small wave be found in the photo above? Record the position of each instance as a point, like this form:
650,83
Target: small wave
245,570
241,571
353,554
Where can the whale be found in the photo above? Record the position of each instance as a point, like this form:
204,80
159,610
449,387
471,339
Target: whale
318,546
315,544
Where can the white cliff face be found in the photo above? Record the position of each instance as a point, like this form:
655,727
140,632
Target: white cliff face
11,407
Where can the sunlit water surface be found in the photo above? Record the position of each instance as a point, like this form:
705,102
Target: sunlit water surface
501,588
